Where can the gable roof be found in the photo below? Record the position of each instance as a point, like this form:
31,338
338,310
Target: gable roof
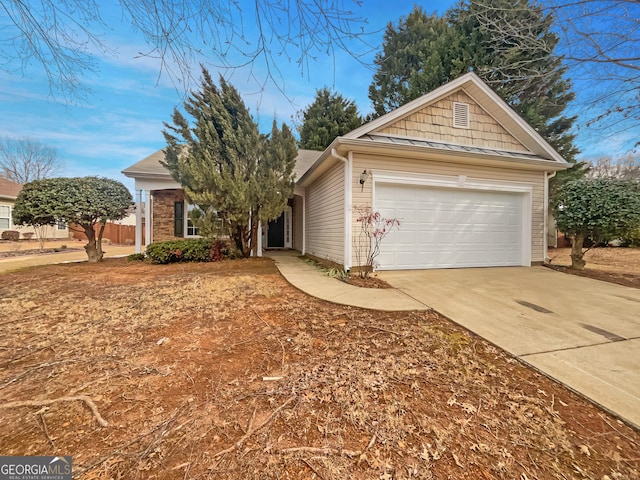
536,154
304,161
151,167
484,96
148,167
9,189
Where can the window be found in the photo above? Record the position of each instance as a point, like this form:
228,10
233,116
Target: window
62,225
192,230
460,115
5,217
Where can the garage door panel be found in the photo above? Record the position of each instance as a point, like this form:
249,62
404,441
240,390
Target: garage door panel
447,228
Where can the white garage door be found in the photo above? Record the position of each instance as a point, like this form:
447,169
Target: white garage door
450,228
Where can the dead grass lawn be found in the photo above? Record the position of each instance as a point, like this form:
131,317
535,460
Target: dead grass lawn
226,371
610,264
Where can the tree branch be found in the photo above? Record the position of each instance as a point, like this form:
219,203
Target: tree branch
43,403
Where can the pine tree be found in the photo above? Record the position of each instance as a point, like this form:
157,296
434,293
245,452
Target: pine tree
424,52
415,59
220,162
329,116
519,63
274,177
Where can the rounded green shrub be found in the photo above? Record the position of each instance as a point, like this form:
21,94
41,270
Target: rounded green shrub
188,250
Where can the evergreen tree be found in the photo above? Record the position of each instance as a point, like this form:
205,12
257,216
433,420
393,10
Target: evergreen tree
520,64
424,52
223,164
274,176
329,116
416,58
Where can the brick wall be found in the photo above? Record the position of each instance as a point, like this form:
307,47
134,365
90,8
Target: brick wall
162,208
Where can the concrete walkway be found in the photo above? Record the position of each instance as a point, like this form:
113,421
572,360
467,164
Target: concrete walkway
313,281
10,264
584,333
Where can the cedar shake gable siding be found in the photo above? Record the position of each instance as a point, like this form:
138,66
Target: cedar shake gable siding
435,122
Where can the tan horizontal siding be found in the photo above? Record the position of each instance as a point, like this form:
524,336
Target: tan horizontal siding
435,122
379,163
325,216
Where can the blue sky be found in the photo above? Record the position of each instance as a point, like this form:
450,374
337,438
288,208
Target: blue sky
121,121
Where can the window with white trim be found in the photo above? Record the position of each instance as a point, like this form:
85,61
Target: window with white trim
192,230
5,217
460,115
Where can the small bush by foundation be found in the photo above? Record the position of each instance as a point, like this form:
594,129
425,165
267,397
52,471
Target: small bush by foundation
191,250
11,235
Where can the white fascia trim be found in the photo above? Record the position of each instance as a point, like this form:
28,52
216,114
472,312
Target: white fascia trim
463,182
517,119
157,184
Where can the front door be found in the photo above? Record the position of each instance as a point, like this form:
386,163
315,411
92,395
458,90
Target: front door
275,234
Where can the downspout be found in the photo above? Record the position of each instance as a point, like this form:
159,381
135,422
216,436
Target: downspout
548,176
304,222
138,241
347,207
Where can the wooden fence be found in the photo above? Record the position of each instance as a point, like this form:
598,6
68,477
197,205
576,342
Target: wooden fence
119,234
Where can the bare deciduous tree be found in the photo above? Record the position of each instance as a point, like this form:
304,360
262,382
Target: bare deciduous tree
600,44
626,167
25,159
63,37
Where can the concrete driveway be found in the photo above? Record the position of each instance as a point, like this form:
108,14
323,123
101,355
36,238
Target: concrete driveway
582,332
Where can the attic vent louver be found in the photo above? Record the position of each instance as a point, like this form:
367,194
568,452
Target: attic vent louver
460,115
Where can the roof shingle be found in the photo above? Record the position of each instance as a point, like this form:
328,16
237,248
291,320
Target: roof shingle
9,189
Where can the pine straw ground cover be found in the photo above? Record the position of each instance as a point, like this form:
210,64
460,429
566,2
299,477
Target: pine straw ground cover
226,371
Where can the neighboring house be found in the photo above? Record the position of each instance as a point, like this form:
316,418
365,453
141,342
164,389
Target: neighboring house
8,193
465,175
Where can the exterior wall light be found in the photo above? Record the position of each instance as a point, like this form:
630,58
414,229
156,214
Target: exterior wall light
363,178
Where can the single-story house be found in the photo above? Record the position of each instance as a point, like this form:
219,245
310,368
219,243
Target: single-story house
466,177
8,193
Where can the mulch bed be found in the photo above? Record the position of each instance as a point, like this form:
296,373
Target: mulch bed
36,251
368,282
626,279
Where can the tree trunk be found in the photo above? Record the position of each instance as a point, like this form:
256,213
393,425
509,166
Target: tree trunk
577,260
93,252
241,239
254,232
99,240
